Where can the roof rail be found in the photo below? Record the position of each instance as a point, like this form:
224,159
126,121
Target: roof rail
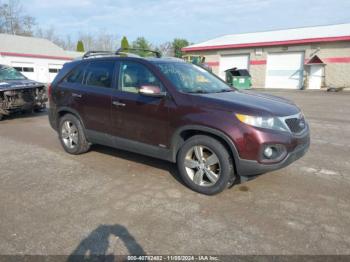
119,52
90,54
126,51
97,53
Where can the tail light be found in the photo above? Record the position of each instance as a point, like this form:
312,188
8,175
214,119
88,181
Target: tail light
49,90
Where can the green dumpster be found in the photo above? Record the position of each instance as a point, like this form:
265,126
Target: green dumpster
238,78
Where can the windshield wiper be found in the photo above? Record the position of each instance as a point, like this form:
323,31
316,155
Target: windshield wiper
197,92
224,90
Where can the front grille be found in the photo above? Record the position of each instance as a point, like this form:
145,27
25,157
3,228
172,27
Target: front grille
296,125
28,95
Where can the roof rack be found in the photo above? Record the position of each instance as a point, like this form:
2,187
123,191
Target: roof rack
97,53
119,52
126,50
91,54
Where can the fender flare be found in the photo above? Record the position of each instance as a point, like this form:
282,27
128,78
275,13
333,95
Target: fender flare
71,111
177,141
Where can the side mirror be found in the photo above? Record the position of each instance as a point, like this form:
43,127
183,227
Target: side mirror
149,90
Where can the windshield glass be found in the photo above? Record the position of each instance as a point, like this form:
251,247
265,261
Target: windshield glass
9,73
190,78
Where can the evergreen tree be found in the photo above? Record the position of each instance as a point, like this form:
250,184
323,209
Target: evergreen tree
125,44
177,45
80,46
142,44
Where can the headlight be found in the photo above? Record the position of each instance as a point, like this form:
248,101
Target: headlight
262,122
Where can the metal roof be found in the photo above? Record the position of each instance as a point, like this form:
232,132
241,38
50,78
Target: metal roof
14,45
329,33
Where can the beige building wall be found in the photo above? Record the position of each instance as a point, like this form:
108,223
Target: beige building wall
335,55
337,69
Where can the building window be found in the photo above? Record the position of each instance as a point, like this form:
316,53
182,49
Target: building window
54,70
24,69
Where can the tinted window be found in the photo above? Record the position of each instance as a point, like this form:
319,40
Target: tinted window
100,73
77,75
134,75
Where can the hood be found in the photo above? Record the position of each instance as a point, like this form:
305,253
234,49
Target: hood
248,102
18,84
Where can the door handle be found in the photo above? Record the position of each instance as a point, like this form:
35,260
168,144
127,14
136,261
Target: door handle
116,103
77,95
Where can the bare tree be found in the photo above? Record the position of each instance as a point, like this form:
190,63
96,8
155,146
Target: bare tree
166,49
13,19
68,43
50,34
100,41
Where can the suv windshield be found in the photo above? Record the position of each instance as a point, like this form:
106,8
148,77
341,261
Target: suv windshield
190,78
9,73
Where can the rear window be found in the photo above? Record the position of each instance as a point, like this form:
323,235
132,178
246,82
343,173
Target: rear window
100,74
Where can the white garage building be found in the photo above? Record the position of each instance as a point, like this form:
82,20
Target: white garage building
309,57
38,59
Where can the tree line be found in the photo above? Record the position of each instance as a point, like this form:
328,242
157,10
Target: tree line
14,20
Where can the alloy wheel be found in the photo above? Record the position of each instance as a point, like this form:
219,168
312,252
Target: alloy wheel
202,166
69,134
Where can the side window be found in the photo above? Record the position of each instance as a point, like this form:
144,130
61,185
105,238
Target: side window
99,73
134,75
76,76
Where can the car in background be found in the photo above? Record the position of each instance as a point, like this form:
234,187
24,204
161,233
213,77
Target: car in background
176,111
19,94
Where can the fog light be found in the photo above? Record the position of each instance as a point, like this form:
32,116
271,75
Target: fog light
268,152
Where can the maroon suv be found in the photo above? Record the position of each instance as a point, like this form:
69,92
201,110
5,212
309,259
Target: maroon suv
179,112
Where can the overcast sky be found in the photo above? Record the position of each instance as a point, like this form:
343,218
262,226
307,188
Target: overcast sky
195,20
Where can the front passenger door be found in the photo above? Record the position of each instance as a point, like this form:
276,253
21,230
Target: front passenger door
137,117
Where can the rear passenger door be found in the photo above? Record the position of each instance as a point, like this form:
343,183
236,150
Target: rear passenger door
90,87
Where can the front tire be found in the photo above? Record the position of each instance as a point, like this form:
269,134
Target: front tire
72,136
205,165
40,109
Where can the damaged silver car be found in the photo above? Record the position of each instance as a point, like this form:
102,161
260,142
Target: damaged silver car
19,94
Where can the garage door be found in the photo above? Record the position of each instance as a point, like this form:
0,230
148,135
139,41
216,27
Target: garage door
285,70
53,71
230,61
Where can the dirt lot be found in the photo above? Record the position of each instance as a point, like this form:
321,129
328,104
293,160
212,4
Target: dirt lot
110,201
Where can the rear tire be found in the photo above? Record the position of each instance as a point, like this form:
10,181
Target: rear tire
1,117
205,165
72,136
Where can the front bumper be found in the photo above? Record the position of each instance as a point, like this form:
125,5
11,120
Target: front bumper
23,99
246,168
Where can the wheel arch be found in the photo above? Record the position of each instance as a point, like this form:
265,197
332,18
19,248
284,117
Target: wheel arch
184,133
66,110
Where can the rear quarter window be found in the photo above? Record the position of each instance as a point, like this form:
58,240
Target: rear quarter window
77,75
